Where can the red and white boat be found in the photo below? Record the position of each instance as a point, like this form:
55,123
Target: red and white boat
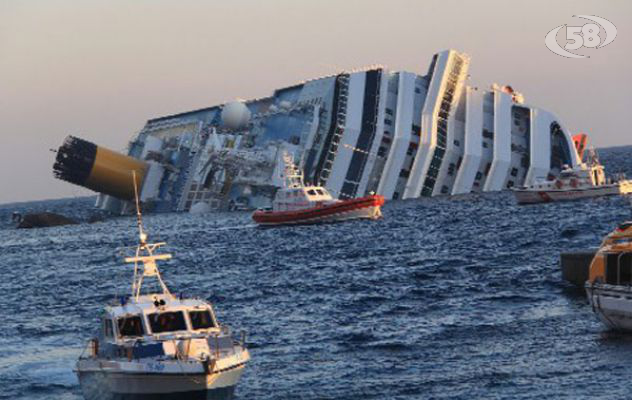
584,181
299,204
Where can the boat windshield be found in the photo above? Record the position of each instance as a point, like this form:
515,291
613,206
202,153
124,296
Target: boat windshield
130,326
108,329
201,319
167,322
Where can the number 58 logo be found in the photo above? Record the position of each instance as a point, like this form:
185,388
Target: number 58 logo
577,37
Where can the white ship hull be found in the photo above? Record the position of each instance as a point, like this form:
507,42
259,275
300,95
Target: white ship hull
612,304
108,381
531,196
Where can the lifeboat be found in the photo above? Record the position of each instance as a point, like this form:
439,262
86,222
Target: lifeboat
609,286
296,203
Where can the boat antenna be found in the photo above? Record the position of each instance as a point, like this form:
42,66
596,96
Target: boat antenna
139,215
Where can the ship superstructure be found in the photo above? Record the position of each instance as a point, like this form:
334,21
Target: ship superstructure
394,133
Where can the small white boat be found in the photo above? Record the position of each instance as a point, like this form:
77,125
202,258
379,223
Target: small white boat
609,287
584,181
296,203
159,346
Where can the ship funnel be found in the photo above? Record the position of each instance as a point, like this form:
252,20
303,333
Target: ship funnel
97,168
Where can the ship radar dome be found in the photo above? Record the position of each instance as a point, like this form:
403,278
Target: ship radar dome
235,115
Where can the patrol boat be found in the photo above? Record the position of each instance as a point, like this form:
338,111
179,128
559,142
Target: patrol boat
609,286
160,346
584,181
295,203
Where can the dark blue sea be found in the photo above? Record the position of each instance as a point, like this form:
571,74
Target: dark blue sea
443,298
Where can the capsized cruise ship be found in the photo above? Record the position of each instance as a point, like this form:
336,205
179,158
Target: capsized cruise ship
394,133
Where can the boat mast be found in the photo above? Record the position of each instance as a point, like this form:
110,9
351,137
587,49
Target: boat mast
150,268
293,176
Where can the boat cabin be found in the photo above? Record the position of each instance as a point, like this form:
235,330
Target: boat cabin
593,175
158,317
618,268
299,198
582,176
613,262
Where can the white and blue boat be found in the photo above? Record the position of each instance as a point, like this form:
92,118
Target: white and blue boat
159,346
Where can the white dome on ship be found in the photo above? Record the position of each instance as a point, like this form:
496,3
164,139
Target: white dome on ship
200,208
235,115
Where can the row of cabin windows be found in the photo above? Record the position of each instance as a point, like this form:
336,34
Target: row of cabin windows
171,321
314,192
618,268
311,192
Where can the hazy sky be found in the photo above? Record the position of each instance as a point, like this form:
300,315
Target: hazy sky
100,69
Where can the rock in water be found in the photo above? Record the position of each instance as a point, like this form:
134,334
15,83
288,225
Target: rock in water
43,220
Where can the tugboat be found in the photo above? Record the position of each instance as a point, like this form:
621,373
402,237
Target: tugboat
159,346
609,287
296,203
584,181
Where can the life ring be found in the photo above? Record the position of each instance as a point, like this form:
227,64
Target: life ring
574,183
558,184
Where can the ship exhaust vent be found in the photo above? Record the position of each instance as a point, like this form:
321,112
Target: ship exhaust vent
75,158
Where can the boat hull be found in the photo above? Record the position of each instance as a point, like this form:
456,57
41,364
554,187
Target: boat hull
363,208
111,385
612,304
529,196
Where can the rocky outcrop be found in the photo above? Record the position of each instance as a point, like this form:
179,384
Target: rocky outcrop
43,220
